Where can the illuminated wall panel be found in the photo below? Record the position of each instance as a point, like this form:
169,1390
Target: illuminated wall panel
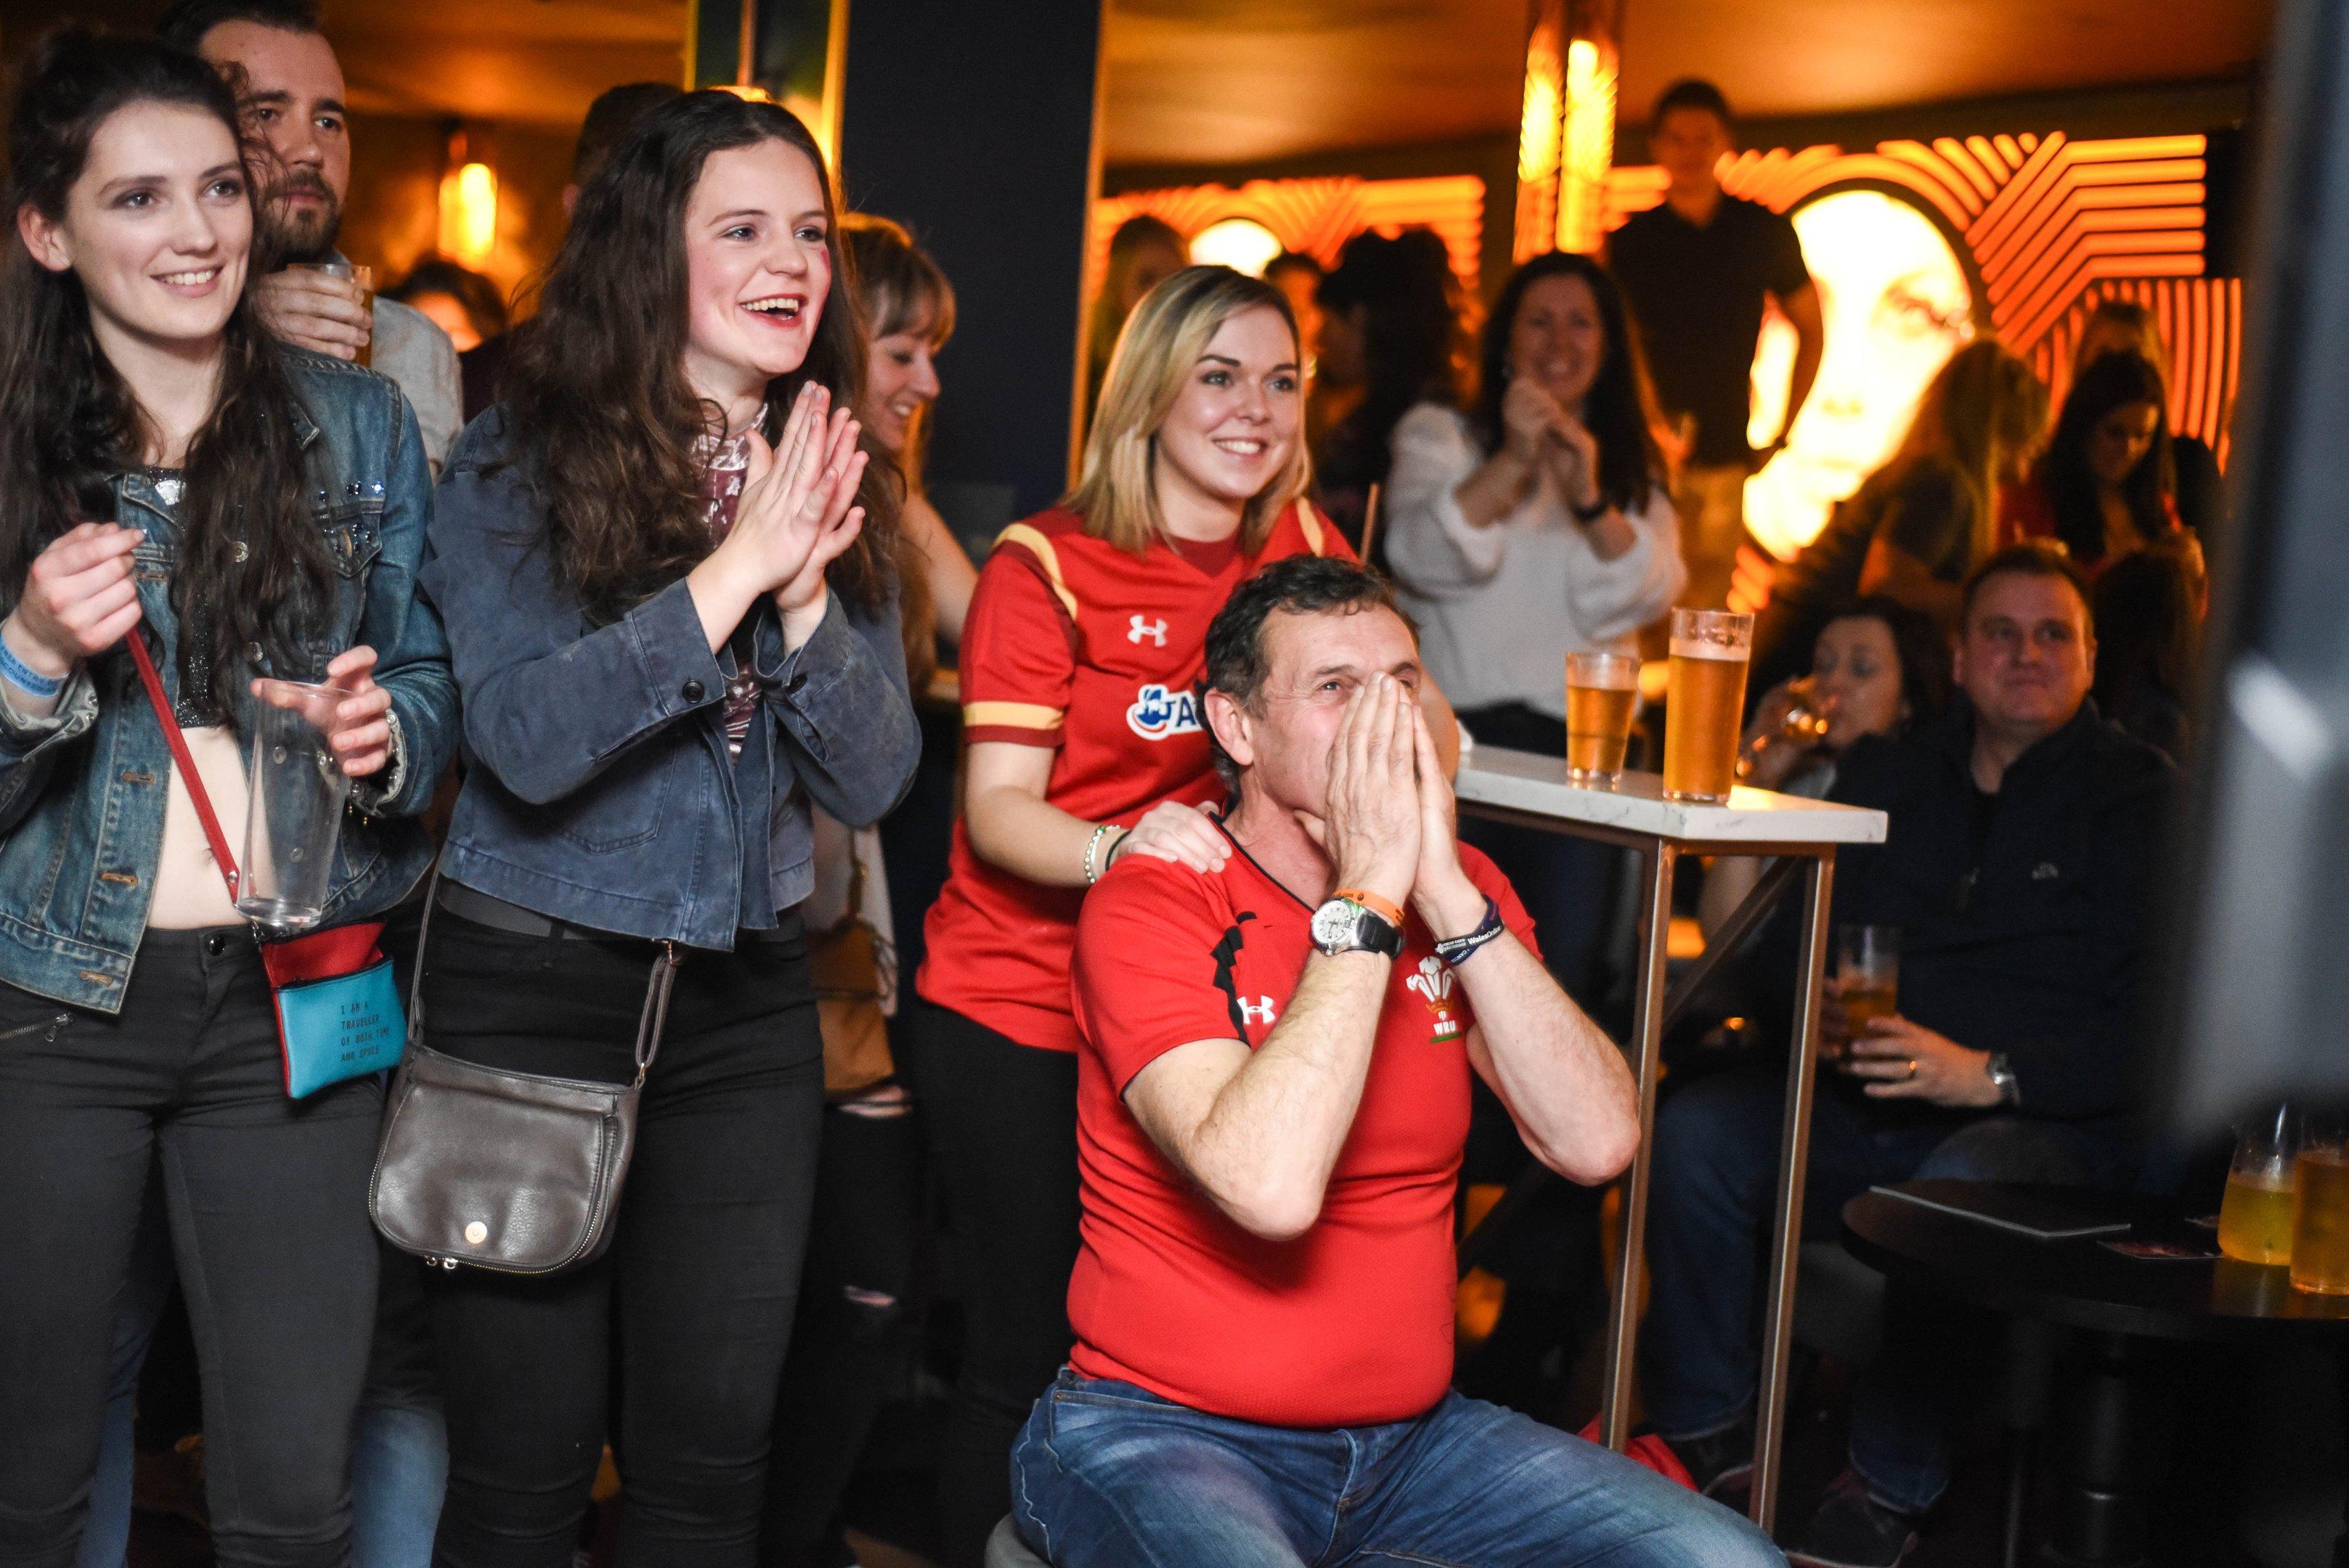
2050,224
2046,225
1316,217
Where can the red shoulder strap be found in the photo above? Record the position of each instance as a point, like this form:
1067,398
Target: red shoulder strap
187,764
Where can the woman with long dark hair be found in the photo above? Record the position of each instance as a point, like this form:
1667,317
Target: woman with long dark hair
1537,524
1390,337
2105,486
169,473
669,569
2150,606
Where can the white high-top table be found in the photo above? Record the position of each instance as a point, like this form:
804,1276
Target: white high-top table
1800,838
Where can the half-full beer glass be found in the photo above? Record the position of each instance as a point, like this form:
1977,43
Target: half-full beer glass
295,818
1601,692
1710,649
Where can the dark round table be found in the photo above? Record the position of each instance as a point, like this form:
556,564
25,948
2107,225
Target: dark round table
2117,1302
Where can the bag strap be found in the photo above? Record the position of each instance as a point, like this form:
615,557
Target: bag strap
186,762
655,1014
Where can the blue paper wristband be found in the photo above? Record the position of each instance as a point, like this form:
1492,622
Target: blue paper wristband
25,677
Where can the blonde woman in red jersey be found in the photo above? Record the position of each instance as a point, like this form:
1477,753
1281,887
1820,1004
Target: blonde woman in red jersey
1083,646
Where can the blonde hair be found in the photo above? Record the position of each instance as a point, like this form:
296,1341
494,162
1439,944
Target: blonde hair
1983,404
1161,343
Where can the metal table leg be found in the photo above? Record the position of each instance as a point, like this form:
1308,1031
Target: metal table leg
1647,1031
1794,1162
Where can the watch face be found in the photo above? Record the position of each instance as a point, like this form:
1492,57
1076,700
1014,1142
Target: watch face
1334,924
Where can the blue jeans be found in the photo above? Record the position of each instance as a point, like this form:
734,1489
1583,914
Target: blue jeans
1107,1475
1714,1186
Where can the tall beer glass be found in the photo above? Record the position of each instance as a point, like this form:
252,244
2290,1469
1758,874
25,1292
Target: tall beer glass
1601,692
2320,1206
1710,649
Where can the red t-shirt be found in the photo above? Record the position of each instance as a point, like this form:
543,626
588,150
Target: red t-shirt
1072,643
1348,1324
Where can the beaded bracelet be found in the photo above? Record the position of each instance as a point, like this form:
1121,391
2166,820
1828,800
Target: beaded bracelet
25,677
1092,844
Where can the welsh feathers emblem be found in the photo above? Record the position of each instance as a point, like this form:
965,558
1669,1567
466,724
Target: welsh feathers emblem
1434,981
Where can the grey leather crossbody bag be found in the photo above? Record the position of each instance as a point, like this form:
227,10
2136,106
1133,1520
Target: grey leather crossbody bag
518,1172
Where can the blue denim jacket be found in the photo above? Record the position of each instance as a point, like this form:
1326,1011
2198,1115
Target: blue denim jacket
598,787
82,792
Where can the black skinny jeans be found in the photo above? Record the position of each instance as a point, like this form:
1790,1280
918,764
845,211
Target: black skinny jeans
265,1200
1002,1123
679,1331
852,1342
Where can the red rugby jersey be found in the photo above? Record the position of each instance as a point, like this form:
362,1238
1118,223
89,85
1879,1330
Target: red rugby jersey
1348,1324
1074,644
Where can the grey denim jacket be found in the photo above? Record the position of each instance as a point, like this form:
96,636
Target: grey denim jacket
598,789
82,791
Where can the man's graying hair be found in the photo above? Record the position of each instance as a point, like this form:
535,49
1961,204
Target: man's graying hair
1299,585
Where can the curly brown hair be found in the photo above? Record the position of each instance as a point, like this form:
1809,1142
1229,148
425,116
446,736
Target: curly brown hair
597,393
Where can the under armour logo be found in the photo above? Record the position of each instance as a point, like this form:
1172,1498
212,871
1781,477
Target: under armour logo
1153,630
1256,1012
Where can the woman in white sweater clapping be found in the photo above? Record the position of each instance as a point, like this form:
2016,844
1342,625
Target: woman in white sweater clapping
1538,524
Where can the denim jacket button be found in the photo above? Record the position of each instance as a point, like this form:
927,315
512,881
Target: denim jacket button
797,681
693,691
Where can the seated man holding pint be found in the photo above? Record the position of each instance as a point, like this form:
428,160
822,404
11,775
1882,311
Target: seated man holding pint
1273,1090
2019,873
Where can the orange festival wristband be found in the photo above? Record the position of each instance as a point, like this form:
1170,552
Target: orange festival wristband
1385,910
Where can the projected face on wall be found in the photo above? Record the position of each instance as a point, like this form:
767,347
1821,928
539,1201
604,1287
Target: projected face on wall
1897,303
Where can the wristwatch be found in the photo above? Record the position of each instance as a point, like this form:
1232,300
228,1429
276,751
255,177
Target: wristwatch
1341,925
2002,1079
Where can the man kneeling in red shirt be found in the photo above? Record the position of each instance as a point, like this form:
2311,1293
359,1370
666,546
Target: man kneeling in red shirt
1272,1099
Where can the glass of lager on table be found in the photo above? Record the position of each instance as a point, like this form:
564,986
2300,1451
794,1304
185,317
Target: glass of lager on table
2320,1205
2255,1216
1710,648
1601,692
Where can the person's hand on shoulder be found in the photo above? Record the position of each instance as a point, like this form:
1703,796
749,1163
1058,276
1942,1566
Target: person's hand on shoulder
1171,831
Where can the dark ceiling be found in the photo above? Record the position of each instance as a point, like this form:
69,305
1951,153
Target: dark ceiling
1238,82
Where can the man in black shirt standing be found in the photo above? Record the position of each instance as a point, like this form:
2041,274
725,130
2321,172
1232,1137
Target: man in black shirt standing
1698,270
2020,869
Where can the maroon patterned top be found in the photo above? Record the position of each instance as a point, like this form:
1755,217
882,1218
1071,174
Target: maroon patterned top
726,462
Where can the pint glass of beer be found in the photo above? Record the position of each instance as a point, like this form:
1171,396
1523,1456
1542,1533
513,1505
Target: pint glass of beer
361,278
2320,1206
1601,691
1710,648
1867,982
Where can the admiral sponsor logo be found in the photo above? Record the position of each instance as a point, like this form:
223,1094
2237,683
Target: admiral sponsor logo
1158,712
